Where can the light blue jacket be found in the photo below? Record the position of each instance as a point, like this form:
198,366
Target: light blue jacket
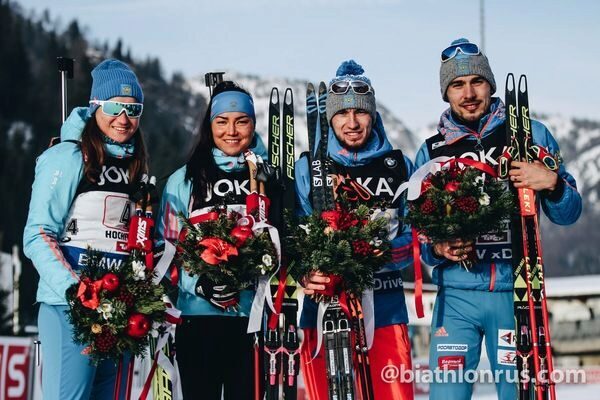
176,199
562,211
58,173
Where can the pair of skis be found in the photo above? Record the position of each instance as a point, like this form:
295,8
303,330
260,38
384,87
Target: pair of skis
534,350
341,335
280,342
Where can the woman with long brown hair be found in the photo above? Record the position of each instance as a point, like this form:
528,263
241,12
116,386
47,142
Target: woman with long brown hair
80,199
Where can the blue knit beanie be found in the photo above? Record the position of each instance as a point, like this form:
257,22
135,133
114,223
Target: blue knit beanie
113,78
350,71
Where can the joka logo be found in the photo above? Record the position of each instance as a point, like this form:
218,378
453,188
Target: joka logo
224,186
506,337
453,347
483,156
113,175
441,332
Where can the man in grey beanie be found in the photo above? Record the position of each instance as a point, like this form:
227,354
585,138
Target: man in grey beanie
477,303
359,149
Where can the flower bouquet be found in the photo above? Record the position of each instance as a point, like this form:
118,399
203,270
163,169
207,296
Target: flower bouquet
223,246
460,202
344,243
113,309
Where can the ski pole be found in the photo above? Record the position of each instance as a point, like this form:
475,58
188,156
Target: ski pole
65,67
212,79
118,380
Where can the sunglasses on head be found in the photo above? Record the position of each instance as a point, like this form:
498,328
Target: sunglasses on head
469,49
358,87
115,108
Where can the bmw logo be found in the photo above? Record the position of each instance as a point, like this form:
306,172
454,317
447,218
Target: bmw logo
390,162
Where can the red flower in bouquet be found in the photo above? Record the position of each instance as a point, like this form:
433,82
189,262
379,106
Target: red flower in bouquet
241,234
425,185
87,293
217,250
339,219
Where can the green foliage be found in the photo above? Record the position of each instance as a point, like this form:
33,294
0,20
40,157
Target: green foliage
342,242
104,333
460,203
254,257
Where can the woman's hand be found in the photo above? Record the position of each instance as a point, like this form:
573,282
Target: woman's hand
454,250
315,280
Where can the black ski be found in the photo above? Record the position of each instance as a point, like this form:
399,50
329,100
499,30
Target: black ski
282,356
322,148
290,341
534,351
315,155
272,338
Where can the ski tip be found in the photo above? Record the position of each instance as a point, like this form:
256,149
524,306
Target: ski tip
288,97
322,87
310,87
510,82
523,83
274,96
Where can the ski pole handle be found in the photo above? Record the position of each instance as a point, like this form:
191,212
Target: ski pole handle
212,79
65,67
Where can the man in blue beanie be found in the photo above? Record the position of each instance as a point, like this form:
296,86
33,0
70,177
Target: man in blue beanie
359,148
476,304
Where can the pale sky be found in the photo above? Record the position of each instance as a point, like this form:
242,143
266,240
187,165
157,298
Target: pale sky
398,42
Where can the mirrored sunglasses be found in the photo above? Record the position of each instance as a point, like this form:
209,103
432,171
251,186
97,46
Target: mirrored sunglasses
469,49
115,108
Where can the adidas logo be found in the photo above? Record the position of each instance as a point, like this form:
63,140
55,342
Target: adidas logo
441,332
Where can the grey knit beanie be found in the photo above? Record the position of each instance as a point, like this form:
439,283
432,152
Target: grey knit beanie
350,71
462,65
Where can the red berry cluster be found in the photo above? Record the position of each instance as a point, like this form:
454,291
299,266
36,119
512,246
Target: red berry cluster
106,340
428,207
126,297
467,204
361,248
